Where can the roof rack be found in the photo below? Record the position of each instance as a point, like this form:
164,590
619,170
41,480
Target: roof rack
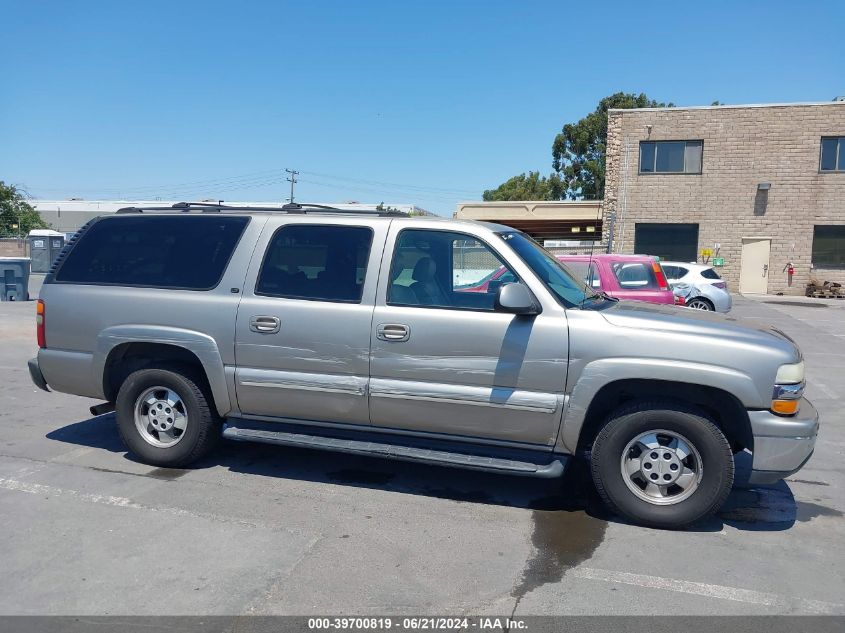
291,208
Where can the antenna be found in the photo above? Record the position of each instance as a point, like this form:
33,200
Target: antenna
589,280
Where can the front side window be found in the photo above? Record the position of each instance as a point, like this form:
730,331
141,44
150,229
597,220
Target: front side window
443,269
670,157
829,245
316,262
833,153
159,251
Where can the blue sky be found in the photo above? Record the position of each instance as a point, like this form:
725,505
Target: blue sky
419,102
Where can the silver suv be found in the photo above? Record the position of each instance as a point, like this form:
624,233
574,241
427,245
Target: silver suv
370,334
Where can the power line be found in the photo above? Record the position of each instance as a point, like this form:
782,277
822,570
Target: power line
264,178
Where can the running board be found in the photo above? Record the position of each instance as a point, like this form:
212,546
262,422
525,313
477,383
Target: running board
407,448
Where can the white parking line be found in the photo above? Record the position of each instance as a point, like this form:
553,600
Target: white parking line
799,605
109,500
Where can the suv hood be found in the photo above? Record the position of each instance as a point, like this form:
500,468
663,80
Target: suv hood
698,323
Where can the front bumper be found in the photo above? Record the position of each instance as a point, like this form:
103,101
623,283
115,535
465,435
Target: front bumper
782,445
36,375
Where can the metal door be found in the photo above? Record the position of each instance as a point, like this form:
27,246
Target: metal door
461,371
754,267
301,357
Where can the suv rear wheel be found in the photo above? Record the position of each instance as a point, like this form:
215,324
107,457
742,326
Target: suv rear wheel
662,464
164,417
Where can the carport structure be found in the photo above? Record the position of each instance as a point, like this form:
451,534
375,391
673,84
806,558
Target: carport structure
579,220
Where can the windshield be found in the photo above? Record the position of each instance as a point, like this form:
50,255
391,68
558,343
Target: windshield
569,289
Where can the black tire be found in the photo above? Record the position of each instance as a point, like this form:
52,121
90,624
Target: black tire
628,422
201,433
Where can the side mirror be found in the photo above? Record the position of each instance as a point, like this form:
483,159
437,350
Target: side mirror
516,298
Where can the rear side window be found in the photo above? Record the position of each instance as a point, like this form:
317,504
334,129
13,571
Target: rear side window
185,252
316,262
709,273
635,275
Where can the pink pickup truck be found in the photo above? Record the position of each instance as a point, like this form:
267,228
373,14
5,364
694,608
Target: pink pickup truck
630,277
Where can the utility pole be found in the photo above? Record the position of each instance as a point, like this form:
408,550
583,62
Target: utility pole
292,180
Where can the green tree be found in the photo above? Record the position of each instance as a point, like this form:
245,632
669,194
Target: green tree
579,151
530,186
17,216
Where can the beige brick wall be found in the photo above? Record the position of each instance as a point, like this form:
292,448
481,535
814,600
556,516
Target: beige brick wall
743,146
13,247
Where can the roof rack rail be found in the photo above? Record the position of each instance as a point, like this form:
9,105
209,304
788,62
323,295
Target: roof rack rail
292,208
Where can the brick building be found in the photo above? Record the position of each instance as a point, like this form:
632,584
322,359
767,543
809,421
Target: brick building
750,187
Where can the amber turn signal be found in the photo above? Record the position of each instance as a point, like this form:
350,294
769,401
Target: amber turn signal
785,407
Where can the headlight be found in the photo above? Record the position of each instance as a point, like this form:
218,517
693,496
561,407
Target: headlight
789,388
790,374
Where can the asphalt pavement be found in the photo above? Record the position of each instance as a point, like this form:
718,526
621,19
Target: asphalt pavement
269,530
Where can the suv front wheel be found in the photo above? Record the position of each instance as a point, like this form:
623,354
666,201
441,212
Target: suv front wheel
164,417
662,464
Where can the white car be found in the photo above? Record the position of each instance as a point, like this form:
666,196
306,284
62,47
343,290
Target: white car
699,285
702,297
693,274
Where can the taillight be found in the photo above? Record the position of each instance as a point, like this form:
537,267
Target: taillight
720,284
680,301
661,278
39,323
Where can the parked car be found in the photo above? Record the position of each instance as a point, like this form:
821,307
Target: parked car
630,277
692,273
702,297
318,328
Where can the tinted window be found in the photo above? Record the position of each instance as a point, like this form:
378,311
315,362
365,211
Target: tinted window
833,154
647,157
709,273
154,251
442,269
317,262
672,242
635,275
671,157
829,246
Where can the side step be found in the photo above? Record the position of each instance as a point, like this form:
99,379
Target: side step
541,463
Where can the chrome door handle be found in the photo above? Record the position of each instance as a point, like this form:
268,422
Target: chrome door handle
395,332
265,324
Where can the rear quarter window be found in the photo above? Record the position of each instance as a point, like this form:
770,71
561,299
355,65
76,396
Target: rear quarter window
709,273
185,252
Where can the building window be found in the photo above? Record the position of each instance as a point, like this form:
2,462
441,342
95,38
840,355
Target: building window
670,157
833,154
829,246
672,242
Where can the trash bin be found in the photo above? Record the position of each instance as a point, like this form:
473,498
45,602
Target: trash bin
14,278
44,247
